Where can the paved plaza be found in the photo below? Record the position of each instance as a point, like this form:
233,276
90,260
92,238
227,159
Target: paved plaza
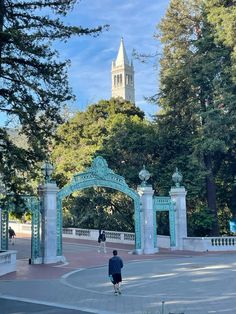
167,282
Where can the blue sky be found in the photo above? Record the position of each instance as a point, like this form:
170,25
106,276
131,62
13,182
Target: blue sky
90,71
135,21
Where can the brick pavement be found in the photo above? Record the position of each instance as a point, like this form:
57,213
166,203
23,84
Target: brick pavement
86,257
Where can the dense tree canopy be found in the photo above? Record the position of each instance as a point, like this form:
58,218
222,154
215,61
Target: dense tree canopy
222,15
195,129
198,97
116,130
33,81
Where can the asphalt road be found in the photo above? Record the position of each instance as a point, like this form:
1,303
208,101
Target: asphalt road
189,284
13,307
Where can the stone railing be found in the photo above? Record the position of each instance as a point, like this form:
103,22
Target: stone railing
111,236
92,234
204,244
198,244
7,262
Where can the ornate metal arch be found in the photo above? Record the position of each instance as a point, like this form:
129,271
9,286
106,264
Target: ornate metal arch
165,203
98,175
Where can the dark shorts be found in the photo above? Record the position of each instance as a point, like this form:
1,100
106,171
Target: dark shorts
116,278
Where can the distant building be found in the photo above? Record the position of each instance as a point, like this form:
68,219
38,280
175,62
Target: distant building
122,73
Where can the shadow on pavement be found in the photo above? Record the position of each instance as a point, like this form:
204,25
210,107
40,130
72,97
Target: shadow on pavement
12,307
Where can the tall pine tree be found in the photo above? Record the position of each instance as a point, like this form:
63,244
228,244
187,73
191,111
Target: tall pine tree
197,94
33,82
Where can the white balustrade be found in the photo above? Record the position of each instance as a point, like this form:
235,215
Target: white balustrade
198,244
211,244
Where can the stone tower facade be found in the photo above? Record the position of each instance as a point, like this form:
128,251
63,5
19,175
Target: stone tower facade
122,73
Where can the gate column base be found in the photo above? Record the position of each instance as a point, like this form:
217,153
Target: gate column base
54,260
137,251
150,251
36,261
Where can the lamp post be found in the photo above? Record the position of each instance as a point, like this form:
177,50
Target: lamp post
144,175
177,177
47,169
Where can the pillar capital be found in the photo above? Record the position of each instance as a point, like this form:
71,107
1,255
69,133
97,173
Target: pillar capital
147,189
178,191
50,187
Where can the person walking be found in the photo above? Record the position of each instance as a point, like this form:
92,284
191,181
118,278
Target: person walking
114,271
12,235
102,241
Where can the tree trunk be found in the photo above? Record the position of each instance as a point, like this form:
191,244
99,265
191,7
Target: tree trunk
211,195
232,204
2,12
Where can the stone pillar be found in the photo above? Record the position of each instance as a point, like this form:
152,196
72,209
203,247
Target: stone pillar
49,224
178,195
146,193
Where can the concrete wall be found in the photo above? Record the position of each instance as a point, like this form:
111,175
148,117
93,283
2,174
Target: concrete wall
7,262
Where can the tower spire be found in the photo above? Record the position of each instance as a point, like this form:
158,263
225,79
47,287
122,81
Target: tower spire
123,75
122,55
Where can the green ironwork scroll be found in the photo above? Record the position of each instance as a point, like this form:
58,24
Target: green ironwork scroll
7,207
165,203
32,204
98,175
4,229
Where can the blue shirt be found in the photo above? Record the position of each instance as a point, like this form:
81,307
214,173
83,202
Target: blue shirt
115,265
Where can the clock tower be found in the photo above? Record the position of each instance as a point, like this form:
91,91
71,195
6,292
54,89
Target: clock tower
122,72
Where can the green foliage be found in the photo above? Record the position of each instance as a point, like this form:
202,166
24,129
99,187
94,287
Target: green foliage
224,216
194,130
196,126
222,15
162,222
33,82
200,222
92,133
116,130
99,208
